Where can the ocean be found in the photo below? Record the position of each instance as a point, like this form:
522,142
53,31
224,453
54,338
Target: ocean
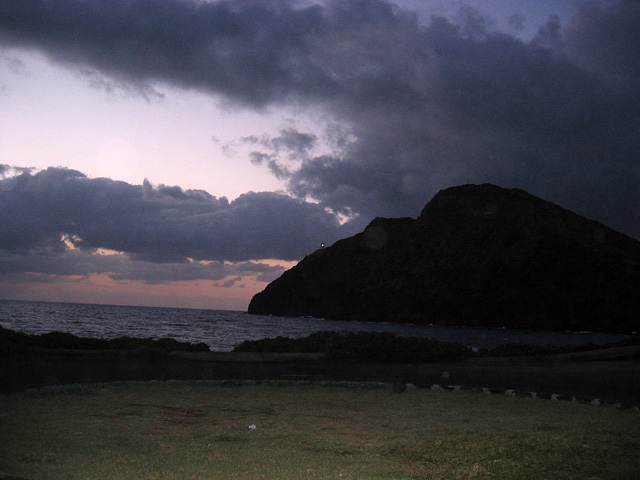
223,329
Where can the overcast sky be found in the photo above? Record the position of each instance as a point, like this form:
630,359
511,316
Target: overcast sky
184,153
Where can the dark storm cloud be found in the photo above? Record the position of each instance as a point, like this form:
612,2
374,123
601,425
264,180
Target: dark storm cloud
290,141
229,283
516,21
420,107
606,39
44,266
44,215
246,49
155,273
289,145
294,141
110,86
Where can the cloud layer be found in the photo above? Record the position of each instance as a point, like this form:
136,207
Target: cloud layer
414,108
54,220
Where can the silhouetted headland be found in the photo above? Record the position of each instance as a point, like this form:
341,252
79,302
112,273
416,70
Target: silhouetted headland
478,255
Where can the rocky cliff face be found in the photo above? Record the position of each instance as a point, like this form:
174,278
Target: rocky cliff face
478,255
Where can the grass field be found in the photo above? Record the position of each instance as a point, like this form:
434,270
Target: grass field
203,430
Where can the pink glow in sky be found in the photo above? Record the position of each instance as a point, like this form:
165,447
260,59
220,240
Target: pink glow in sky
53,116
194,149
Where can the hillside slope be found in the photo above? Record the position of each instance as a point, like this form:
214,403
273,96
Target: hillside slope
478,255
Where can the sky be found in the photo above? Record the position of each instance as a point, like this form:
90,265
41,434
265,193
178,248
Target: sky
185,152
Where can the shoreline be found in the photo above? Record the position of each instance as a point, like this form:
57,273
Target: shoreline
611,375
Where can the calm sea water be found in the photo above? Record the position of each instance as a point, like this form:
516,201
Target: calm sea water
222,330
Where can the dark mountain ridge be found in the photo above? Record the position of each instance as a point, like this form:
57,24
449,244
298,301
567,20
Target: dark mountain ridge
478,255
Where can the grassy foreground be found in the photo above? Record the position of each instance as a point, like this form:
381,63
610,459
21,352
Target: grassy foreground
203,430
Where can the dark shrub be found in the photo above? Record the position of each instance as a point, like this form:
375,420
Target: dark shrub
362,346
11,341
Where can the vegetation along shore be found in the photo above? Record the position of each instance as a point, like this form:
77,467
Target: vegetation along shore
610,374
